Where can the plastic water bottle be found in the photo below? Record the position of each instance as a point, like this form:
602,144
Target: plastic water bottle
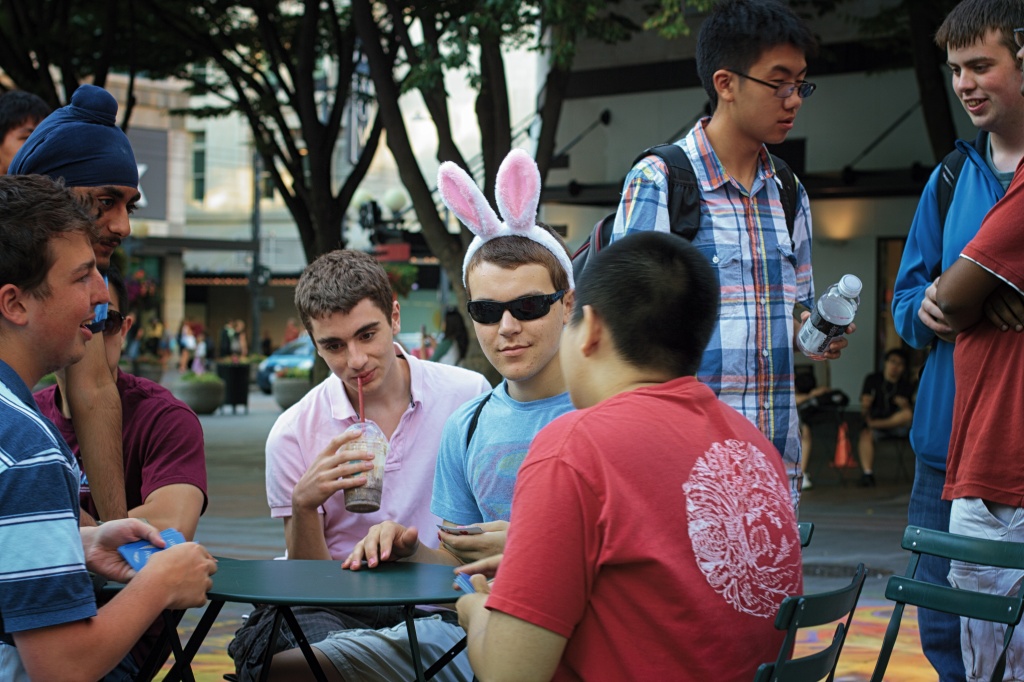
830,317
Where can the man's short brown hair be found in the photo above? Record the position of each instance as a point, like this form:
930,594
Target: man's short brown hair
512,251
972,19
33,211
337,281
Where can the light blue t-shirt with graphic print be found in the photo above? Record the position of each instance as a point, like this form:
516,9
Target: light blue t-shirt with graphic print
475,485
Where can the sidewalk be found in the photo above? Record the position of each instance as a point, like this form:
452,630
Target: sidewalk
852,525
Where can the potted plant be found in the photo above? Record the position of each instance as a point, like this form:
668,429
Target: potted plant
290,384
148,366
203,392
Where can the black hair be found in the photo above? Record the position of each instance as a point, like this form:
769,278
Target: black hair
737,32
659,298
900,352
115,282
455,329
17,107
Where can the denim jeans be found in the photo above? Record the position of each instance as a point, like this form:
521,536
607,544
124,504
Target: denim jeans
940,632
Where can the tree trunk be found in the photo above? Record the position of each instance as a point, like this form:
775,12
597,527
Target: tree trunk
931,81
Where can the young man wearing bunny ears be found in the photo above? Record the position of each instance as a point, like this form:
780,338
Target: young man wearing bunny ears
518,276
649,447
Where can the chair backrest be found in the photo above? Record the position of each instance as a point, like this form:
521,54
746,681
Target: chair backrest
806,529
807,611
811,668
907,589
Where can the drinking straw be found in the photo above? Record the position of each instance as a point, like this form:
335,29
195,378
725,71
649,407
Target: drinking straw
362,415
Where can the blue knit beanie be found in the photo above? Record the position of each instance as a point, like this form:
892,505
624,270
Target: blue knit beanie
80,143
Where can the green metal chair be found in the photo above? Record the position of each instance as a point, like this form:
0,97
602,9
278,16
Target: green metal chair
806,529
906,589
806,611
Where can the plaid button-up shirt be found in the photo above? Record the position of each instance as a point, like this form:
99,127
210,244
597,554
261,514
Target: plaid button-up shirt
762,273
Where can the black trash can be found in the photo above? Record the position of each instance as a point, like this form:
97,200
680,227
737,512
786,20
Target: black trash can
236,384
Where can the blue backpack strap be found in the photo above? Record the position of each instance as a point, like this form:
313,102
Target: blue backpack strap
476,417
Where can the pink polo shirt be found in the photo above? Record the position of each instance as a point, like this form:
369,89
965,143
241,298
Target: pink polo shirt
306,428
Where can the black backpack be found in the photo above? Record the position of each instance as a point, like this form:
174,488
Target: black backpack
952,164
683,201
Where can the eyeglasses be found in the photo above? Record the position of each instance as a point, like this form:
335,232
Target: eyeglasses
1018,36
110,325
783,90
524,308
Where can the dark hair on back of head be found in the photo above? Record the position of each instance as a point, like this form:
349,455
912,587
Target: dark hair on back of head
969,21
337,281
512,251
18,107
33,210
659,297
737,32
115,283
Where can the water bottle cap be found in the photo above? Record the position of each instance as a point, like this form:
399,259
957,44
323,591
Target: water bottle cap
850,286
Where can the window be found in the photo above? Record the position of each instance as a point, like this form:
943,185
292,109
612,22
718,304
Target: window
198,166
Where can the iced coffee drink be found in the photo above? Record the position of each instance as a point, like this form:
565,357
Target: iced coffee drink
366,498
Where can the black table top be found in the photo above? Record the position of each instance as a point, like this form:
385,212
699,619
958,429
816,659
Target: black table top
324,583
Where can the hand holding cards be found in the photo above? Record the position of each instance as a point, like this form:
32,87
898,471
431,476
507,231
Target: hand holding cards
137,553
465,583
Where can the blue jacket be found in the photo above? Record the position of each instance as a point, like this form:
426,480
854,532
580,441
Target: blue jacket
928,246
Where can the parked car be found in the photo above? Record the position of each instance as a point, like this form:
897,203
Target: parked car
298,353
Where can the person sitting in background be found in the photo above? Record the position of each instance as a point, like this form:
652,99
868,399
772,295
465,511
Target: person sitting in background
164,457
648,447
885,404
452,348
20,113
807,392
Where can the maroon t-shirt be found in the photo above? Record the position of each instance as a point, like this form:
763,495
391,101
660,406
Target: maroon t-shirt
162,444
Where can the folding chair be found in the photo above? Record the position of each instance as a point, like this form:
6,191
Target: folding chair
906,589
806,529
808,611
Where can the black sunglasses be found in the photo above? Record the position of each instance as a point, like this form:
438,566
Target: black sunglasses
110,325
524,308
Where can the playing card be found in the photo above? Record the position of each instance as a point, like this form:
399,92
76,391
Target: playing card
137,553
464,583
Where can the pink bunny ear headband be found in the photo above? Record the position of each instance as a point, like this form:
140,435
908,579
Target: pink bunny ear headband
518,193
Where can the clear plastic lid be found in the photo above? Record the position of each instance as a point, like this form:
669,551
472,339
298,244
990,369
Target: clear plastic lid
850,286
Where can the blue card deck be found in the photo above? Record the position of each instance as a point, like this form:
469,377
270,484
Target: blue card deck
137,553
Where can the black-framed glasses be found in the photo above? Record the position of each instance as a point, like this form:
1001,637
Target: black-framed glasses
524,308
1018,37
783,90
110,325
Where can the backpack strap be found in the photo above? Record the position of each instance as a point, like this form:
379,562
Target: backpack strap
683,189
476,417
949,173
788,192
